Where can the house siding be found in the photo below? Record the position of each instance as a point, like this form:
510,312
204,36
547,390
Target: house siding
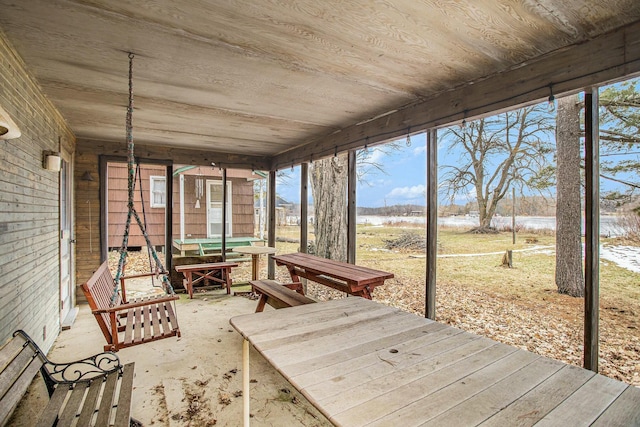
87,216
195,219
118,210
29,206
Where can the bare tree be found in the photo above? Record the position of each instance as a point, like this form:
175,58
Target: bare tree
496,153
620,139
569,275
329,189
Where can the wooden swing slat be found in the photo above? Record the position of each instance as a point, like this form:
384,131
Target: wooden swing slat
163,317
137,331
155,322
128,331
146,320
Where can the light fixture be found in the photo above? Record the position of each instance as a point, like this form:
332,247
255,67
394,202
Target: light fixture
552,100
51,161
87,176
8,128
408,142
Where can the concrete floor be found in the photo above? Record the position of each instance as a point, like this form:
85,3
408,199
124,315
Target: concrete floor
195,380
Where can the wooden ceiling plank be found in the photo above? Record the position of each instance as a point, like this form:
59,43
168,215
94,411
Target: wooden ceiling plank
606,58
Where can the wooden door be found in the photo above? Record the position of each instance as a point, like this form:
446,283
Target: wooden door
214,209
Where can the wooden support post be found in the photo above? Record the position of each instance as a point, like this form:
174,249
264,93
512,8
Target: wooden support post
513,215
304,207
432,223
271,230
304,214
592,230
181,209
168,220
507,259
104,241
246,402
351,208
225,198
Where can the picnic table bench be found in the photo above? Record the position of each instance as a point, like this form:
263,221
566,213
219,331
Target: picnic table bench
279,295
349,278
206,271
95,391
124,322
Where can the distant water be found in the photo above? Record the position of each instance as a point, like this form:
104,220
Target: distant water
608,224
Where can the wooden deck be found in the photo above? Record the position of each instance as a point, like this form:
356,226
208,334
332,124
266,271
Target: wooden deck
209,246
365,364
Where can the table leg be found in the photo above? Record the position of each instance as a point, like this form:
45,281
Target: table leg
293,273
189,284
245,382
255,266
261,303
226,276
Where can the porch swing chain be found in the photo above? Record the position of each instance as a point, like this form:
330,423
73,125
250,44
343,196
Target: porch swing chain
144,215
131,211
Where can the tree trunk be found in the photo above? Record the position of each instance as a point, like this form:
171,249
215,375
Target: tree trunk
569,275
329,189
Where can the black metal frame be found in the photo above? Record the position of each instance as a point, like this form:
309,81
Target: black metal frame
85,370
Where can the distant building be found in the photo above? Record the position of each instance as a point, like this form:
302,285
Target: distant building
202,201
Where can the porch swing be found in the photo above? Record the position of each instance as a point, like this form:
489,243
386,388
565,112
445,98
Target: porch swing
128,322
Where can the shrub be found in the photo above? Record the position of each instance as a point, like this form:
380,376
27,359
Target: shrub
629,223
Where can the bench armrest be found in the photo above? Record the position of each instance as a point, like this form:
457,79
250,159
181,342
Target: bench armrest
98,365
129,305
87,369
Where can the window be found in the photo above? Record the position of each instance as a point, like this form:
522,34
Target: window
158,191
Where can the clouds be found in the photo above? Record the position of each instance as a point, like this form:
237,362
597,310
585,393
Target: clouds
407,193
375,155
417,151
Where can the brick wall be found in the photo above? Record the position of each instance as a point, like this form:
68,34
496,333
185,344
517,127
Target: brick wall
29,207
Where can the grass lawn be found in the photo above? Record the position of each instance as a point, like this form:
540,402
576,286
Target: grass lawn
518,306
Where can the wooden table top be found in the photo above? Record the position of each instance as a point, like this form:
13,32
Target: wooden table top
363,363
255,250
350,273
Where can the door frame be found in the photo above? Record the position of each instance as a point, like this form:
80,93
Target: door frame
69,239
229,207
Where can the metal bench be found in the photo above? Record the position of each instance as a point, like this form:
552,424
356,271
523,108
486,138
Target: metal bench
95,391
279,295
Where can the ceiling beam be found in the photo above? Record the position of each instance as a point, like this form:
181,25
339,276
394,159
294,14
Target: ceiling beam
602,59
176,154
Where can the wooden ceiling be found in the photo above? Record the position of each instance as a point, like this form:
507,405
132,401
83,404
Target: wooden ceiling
279,82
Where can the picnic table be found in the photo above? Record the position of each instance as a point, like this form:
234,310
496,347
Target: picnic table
361,363
206,271
350,278
255,252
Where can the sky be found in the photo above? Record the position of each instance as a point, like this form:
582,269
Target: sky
404,176
403,181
